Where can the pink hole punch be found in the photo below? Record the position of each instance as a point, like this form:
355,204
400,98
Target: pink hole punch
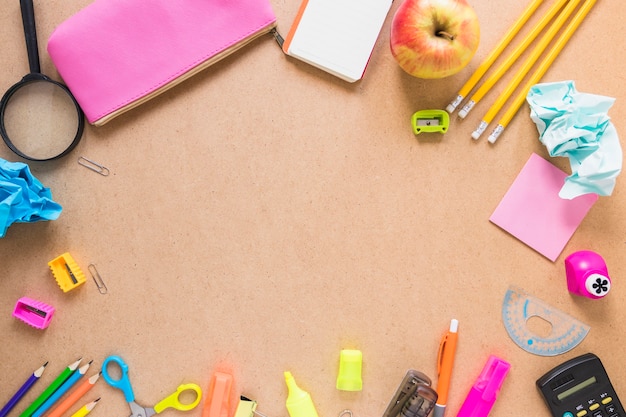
587,274
33,312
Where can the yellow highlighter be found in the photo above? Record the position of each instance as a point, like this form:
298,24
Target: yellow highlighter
86,409
299,403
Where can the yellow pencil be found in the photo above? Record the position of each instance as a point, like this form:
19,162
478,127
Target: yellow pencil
542,69
526,67
86,409
493,55
510,60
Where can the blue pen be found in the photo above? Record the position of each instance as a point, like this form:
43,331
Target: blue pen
61,390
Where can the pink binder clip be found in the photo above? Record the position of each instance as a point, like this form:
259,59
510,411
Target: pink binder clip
484,392
33,312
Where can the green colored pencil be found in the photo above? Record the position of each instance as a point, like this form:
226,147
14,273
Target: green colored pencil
63,376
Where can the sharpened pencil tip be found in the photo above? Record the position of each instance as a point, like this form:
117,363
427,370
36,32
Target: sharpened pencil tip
38,372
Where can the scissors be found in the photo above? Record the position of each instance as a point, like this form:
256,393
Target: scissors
123,384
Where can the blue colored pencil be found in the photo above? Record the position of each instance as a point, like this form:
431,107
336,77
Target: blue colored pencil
23,390
61,390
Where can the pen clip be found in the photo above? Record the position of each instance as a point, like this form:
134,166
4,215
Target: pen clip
440,352
449,337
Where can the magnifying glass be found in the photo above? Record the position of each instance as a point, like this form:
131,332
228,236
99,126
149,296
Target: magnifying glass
40,120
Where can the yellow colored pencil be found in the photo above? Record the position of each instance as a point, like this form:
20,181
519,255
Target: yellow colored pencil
86,409
510,60
493,55
526,67
542,69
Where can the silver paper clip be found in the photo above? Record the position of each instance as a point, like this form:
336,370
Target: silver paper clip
97,279
94,166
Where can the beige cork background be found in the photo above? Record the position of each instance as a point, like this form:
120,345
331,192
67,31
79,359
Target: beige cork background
263,215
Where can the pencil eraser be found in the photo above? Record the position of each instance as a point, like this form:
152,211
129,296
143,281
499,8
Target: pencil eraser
66,272
33,312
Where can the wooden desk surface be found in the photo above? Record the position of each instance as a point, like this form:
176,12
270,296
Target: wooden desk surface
264,215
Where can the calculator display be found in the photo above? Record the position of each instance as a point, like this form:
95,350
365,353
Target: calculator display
580,387
577,388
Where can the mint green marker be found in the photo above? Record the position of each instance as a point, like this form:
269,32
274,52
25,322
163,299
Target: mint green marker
63,376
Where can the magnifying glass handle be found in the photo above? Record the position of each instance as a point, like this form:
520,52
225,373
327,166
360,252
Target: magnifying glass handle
30,33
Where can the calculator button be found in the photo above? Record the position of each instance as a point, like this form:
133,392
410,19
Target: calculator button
568,414
599,414
611,409
581,413
594,406
606,400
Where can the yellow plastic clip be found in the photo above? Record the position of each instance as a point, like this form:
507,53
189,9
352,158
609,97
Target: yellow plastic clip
430,121
246,407
66,272
350,364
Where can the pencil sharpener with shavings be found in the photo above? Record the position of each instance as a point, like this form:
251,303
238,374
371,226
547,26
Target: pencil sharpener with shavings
66,272
413,398
430,121
33,312
587,274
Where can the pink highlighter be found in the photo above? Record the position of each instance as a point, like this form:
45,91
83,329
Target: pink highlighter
484,392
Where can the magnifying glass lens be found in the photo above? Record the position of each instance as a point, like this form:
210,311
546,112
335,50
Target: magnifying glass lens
40,119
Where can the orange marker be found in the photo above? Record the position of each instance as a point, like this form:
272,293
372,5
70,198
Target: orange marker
445,360
217,403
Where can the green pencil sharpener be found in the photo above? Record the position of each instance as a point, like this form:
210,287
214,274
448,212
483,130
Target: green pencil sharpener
430,121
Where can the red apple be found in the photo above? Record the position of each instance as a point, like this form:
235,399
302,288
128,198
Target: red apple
434,38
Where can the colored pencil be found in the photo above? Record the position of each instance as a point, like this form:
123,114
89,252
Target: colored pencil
69,383
542,69
60,379
512,58
71,399
23,390
526,67
86,409
493,55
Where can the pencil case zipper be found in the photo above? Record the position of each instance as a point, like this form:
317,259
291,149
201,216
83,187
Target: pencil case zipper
193,71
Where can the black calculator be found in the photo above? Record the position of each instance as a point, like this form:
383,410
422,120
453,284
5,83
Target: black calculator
580,387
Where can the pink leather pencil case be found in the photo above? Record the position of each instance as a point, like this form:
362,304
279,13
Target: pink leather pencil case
117,54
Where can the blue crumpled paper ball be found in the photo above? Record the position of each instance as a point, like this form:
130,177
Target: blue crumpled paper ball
23,198
577,126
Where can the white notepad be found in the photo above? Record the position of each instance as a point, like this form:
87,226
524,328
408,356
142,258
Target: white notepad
337,36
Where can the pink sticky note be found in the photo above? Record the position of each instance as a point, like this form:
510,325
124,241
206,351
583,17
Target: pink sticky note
533,212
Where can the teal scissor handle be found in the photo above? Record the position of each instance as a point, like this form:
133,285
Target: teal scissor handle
123,383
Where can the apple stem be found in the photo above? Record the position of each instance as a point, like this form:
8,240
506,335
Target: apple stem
444,34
